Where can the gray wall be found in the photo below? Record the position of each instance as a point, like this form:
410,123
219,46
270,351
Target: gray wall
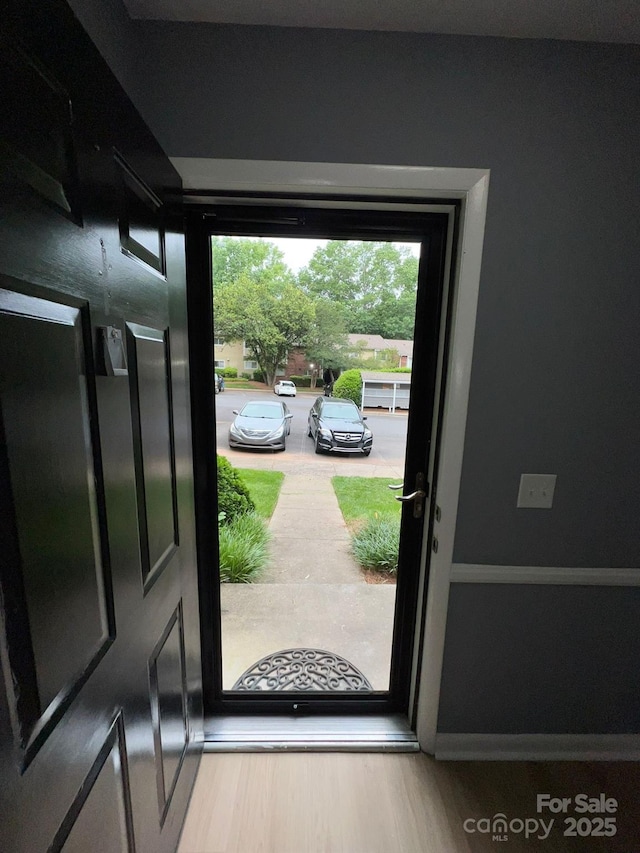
119,40
555,384
555,379
522,659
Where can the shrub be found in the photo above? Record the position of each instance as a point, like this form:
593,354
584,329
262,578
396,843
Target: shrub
376,545
258,376
349,386
234,499
245,376
229,372
243,549
301,381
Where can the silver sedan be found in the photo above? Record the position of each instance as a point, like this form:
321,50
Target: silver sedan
261,424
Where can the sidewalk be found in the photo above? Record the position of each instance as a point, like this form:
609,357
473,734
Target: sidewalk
323,466
312,593
310,542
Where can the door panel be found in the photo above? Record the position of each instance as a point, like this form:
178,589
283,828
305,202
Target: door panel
104,801
168,692
60,589
100,699
150,385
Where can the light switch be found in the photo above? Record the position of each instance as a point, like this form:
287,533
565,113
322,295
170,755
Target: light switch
536,491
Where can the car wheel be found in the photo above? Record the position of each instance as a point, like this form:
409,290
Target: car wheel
309,433
318,448
367,452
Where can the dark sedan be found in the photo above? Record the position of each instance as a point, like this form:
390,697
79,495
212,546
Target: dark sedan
261,424
337,426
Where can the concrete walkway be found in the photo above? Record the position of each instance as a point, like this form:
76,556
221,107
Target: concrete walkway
325,466
312,593
310,542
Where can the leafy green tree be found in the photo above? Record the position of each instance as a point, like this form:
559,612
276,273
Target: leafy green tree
387,359
255,299
374,282
260,260
271,317
327,344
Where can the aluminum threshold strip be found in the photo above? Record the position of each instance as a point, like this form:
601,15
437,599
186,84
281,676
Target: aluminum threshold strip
310,734
311,746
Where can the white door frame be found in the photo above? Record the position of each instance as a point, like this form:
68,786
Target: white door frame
470,187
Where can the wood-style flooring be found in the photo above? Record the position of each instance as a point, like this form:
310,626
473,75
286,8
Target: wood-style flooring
396,803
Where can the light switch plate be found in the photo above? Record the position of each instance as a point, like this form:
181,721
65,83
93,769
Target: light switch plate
536,491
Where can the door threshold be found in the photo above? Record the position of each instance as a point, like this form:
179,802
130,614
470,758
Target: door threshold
381,733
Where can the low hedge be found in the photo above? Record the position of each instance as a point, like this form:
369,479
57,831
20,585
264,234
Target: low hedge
301,381
228,372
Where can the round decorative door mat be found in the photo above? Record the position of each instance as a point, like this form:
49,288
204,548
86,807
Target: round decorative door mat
303,669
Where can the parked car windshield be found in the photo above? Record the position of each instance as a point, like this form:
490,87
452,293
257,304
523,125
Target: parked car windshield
262,410
339,411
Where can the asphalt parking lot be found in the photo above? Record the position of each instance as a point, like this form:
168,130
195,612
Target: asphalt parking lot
389,430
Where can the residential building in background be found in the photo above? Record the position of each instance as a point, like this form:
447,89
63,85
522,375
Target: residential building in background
369,347
375,346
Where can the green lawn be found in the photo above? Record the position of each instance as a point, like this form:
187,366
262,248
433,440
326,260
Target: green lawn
264,488
364,497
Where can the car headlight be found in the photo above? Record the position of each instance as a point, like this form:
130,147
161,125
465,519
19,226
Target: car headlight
367,433
233,429
279,431
325,433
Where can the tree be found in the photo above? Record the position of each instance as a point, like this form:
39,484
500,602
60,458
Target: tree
375,283
257,259
327,344
270,316
255,299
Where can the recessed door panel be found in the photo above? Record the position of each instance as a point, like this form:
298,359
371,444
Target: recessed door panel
100,817
36,143
153,439
140,221
59,587
168,703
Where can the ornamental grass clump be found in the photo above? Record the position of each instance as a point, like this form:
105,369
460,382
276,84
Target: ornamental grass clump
243,548
375,546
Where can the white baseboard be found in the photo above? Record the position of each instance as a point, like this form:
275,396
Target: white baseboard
537,747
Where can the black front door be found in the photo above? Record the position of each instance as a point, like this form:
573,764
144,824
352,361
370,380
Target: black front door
100,704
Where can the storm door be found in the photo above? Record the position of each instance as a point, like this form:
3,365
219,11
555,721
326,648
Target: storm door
321,329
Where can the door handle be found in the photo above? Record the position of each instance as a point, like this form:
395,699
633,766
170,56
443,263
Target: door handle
417,496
